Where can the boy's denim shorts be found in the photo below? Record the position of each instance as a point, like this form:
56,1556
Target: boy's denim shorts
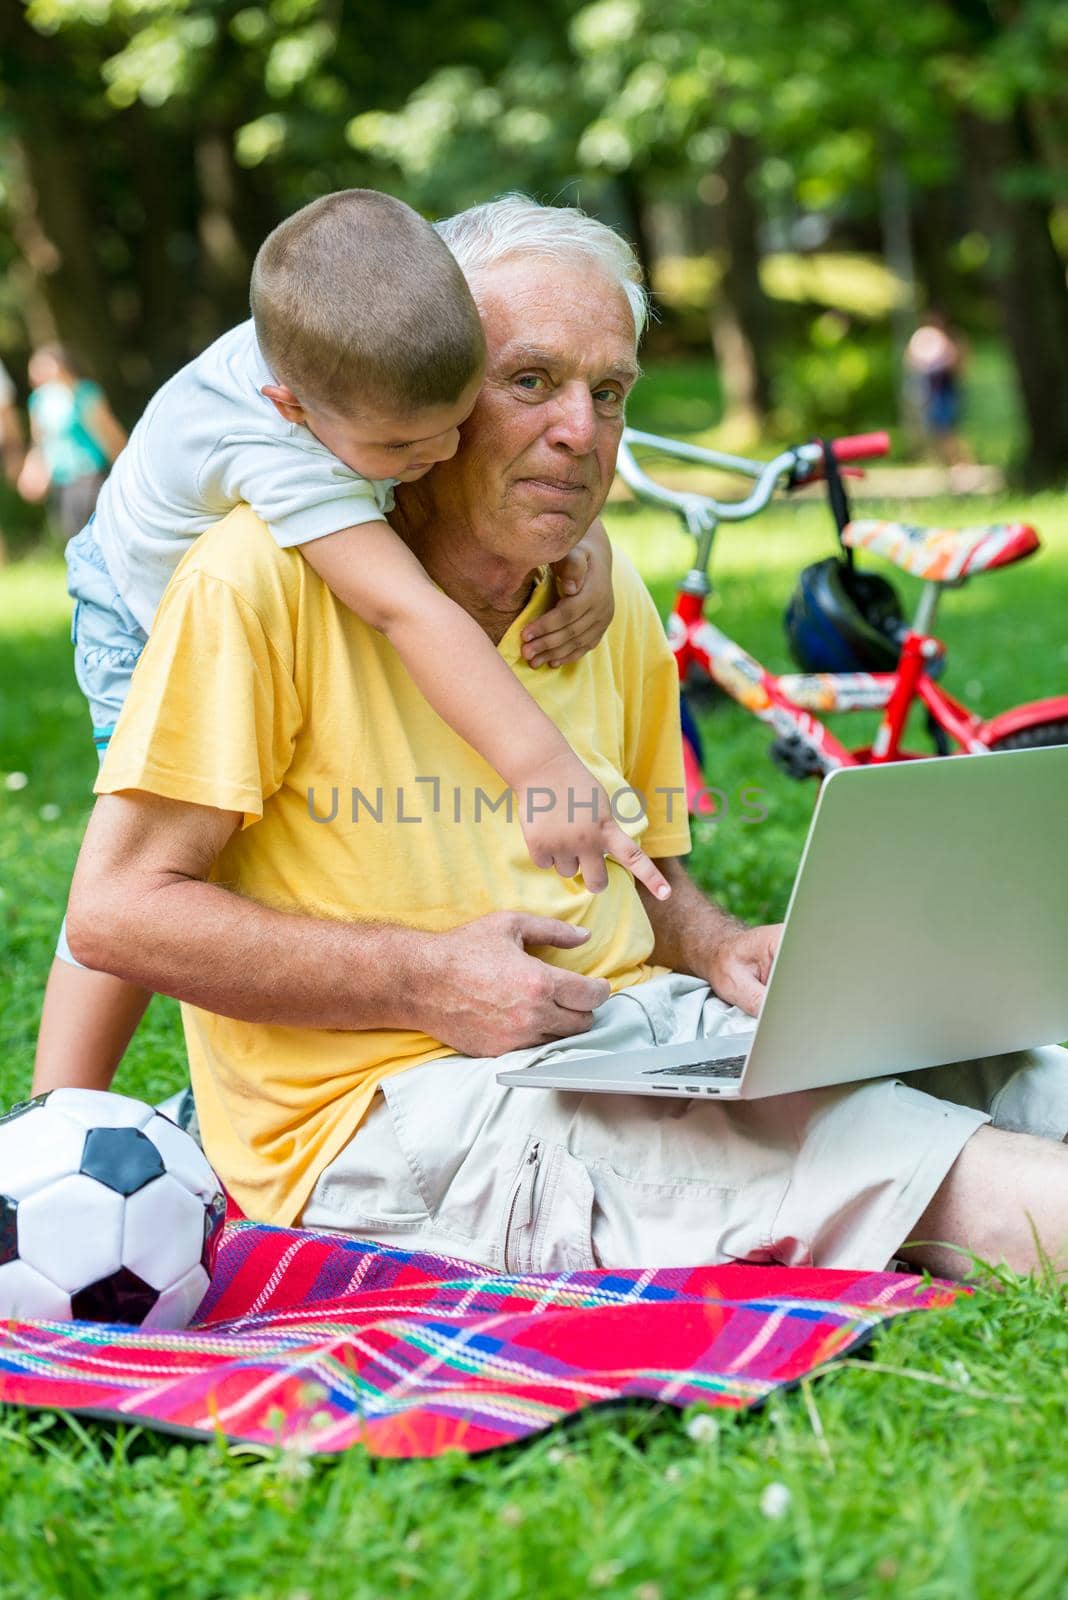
108,640
107,637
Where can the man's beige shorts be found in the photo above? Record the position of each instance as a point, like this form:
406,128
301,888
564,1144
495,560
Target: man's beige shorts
534,1180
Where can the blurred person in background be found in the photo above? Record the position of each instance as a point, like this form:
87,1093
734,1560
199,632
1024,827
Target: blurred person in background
935,359
75,439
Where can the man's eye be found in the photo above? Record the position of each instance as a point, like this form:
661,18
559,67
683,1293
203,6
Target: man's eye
608,397
399,446
530,381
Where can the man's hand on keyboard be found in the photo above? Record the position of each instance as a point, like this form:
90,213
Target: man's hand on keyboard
740,965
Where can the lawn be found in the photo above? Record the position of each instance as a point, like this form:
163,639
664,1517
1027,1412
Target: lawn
937,1469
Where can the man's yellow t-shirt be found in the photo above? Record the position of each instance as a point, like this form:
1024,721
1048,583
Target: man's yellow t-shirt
259,692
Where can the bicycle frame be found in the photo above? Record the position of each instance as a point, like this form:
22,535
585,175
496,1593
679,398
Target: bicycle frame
787,702
790,703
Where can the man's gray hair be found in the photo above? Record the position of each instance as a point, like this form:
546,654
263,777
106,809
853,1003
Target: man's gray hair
482,236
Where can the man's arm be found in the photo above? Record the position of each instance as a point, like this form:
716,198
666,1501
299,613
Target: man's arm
693,935
140,908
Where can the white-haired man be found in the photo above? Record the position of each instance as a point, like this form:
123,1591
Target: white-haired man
290,842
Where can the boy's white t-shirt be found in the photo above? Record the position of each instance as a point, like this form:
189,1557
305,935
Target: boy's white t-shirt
206,442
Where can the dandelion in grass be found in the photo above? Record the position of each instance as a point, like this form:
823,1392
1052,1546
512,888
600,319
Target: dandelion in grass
703,1429
15,781
775,1501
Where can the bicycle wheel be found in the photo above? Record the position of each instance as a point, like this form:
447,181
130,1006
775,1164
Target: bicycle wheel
1044,733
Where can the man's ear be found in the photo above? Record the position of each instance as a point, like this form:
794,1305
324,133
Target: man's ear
284,401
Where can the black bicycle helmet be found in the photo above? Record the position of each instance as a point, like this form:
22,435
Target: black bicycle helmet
840,620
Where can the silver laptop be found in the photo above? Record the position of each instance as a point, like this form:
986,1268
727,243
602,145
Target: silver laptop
928,923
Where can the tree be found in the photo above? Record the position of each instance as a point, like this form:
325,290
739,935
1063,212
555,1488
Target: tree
1009,78
149,147
146,147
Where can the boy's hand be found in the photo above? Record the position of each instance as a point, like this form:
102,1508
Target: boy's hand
585,608
567,823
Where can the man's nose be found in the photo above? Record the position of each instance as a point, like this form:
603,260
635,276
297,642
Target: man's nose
574,423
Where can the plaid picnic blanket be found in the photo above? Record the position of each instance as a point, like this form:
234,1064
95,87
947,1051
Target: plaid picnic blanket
317,1342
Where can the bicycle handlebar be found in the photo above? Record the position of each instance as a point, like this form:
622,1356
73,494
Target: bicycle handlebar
861,447
701,512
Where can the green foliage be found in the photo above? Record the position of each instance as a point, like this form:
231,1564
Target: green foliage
447,98
834,362
194,124
660,87
843,379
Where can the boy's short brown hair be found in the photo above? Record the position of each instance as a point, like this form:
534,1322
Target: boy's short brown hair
357,301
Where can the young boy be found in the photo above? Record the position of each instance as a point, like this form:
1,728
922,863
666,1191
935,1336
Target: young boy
364,356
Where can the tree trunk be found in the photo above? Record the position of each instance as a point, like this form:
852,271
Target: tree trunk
52,214
1028,272
160,175
56,227
897,252
635,226
935,227
1029,278
740,314
224,261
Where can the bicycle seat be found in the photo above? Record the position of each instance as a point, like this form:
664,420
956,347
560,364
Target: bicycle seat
942,555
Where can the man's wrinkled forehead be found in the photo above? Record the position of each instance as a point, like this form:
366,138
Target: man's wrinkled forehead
545,314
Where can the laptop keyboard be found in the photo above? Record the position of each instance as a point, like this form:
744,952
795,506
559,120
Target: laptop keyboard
726,1067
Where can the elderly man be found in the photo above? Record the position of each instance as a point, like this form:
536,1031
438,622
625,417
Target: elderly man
293,844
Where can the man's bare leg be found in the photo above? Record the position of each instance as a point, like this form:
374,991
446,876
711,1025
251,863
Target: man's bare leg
87,1021
1002,1191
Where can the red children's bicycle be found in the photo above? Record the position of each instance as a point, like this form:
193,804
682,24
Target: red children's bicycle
846,627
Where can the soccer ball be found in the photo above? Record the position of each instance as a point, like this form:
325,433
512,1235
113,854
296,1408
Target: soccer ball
108,1211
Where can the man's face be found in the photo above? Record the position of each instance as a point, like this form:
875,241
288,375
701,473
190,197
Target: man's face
538,451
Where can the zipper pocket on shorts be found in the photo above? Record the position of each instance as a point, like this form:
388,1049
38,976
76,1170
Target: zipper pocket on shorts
520,1213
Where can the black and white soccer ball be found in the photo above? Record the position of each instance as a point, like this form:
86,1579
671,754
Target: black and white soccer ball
108,1211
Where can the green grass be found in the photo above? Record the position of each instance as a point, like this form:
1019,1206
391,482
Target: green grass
944,1477
939,1470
